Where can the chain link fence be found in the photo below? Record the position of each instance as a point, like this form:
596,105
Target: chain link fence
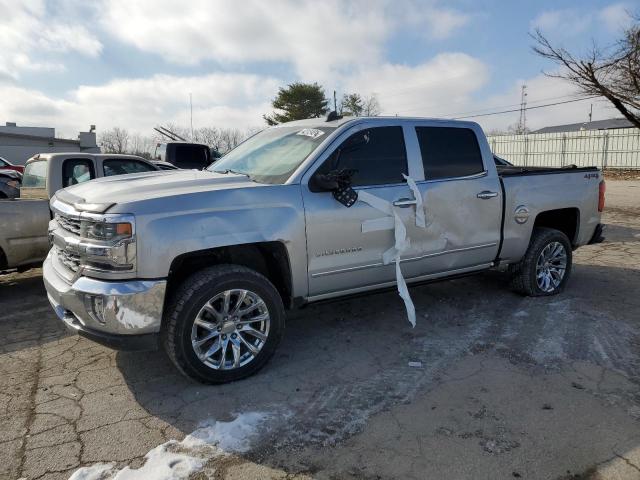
614,149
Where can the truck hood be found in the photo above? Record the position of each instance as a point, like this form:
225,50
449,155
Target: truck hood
99,195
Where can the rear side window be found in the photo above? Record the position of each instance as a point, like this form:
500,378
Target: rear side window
35,175
3,163
122,166
449,152
377,156
77,170
189,156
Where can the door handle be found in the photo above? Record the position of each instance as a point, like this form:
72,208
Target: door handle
405,202
487,194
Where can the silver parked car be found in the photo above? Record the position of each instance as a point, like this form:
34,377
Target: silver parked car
205,263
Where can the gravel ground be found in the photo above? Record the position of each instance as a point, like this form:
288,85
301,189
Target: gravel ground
508,387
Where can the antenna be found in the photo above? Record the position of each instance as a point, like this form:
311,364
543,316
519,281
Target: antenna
522,122
168,133
191,108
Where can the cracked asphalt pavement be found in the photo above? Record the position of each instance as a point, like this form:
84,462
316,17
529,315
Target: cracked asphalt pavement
508,387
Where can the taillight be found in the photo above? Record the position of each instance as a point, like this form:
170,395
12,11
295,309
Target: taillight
601,189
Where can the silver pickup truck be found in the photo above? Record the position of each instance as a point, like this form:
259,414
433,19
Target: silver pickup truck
205,263
24,220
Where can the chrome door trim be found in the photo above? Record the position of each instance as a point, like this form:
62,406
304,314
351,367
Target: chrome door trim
473,176
410,259
352,291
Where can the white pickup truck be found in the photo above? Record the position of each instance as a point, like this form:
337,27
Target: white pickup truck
205,263
24,220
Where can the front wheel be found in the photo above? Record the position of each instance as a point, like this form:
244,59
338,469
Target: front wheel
223,324
546,266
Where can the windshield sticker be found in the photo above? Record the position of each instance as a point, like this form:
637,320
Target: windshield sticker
311,132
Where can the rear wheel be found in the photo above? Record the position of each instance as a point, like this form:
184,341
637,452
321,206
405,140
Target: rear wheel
223,324
546,266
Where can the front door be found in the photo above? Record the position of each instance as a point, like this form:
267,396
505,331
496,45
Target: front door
340,256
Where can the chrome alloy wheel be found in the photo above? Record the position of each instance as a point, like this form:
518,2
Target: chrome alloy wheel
230,329
551,266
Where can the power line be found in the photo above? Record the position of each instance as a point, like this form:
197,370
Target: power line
481,110
526,108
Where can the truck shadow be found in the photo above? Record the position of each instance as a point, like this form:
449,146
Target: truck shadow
341,362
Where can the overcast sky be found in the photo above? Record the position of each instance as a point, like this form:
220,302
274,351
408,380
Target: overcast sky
133,63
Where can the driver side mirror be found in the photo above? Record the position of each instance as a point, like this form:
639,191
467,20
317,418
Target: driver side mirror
325,182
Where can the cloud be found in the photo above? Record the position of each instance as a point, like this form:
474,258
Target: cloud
314,37
567,22
571,22
616,17
28,30
445,82
223,100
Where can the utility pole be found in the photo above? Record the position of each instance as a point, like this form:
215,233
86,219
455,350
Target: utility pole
591,113
191,108
522,122
335,102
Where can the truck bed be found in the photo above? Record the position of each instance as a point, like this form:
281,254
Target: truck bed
513,170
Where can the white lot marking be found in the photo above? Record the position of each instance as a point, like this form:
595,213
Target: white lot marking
175,460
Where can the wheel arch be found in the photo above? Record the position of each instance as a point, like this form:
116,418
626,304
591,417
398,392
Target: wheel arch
566,220
270,259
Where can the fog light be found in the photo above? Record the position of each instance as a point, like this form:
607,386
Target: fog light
95,306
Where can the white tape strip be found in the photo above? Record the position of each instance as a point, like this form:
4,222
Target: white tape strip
421,221
377,224
393,221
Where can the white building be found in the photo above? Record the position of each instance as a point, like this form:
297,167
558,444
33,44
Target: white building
18,144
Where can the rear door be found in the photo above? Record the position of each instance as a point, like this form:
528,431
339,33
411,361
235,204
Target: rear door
77,170
462,198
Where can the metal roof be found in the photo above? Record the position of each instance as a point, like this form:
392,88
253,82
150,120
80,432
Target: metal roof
26,136
609,124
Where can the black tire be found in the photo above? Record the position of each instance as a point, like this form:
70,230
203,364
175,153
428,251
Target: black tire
523,274
189,299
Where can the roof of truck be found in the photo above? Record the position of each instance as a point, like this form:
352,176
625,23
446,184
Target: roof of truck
53,155
322,121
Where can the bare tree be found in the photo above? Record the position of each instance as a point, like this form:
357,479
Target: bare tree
355,105
115,140
613,73
371,106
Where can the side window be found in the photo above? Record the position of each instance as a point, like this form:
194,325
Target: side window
122,166
35,175
449,152
3,163
190,156
377,156
77,170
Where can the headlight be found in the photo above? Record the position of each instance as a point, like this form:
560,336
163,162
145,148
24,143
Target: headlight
105,232
107,243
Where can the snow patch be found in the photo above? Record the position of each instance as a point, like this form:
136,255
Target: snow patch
232,436
521,313
175,460
97,471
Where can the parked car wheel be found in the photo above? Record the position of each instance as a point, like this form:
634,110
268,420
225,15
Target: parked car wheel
546,266
223,324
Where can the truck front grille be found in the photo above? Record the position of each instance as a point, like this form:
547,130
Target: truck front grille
69,260
69,224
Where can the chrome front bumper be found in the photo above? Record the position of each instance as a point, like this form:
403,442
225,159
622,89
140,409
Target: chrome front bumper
115,313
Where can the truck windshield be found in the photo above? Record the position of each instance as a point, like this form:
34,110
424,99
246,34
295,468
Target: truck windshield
272,155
